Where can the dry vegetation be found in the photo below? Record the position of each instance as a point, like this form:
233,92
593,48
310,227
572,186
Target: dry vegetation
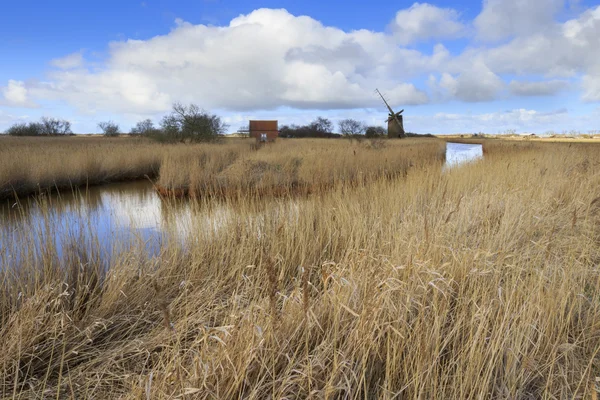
292,165
555,138
479,282
30,165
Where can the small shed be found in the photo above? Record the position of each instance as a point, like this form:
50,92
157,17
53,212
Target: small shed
264,131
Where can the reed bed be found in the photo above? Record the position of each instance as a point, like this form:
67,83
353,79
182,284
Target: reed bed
34,165
292,166
482,281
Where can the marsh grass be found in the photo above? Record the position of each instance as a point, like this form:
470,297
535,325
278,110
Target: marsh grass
292,166
36,165
233,167
477,282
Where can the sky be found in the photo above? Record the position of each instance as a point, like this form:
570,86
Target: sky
467,66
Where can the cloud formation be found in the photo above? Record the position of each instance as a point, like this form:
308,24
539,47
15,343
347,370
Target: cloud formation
423,22
269,59
476,83
263,60
70,61
500,19
15,94
544,88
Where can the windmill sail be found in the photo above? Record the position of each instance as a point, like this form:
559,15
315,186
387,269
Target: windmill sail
386,103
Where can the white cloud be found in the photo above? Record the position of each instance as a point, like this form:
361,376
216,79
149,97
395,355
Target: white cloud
73,60
422,22
501,19
566,50
15,94
270,59
591,86
543,88
266,59
476,83
521,120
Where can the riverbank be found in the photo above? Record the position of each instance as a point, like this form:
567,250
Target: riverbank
478,282
37,165
293,166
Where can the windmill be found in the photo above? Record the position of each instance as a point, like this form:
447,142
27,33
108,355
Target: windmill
395,124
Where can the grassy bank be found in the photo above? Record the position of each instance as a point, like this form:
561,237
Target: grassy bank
293,165
481,282
33,165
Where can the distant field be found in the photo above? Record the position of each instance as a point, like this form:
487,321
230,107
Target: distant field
477,282
535,138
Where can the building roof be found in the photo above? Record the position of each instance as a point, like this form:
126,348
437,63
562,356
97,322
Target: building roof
263,126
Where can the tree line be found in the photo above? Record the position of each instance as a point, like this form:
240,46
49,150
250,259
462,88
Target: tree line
185,123
323,128
45,127
190,123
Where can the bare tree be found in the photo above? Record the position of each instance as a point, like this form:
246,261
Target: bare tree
145,128
191,123
23,129
351,127
109,128
321,126
54,126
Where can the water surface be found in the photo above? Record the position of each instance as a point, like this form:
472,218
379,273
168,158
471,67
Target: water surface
459,153
113,218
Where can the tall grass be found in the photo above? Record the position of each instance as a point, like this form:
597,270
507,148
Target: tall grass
479,282
30,165
33,165
301,165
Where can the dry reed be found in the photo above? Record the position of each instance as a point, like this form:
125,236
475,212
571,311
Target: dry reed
502,301
292,165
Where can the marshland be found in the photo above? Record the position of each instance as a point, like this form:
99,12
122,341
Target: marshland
306,268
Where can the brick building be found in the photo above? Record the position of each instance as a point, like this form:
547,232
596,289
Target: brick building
264,131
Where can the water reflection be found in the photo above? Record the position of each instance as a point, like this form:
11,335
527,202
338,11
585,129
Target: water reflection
104,221
459,153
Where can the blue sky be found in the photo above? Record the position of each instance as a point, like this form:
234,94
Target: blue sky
465,66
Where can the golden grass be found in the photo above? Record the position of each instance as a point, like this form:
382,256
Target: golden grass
479,282
519,138
293,165
30,165
33,165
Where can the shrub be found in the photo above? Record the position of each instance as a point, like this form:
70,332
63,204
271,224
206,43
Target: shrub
53,126
109,128
321,127
25,129
375,131
352,128
190,124
46,127
144,128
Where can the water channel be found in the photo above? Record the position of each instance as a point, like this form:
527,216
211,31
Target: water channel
115,217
